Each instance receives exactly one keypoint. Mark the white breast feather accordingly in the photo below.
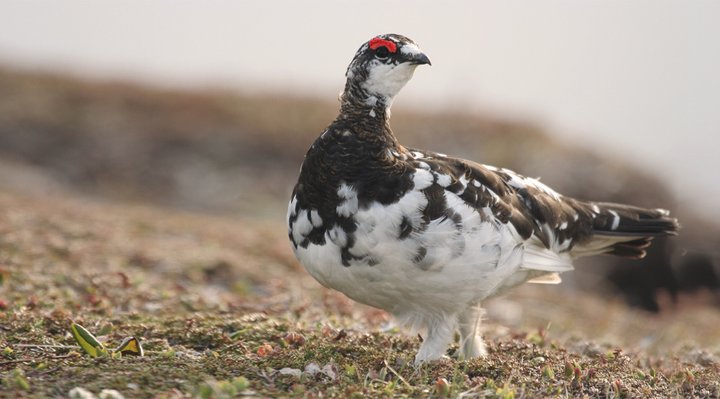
(458, 268)
(302, 226)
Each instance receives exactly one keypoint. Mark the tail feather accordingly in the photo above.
(628, 221)
(631, 249)
(625, 230)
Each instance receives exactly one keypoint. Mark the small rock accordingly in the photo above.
(110, 394)
(290, 371)
(329, 370)
(312, 369)
(81, 393)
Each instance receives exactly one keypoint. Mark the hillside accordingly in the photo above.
(159, 214)
(214, 300)
(235, 154)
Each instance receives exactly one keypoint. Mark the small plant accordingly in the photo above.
(223, 389)
(87, 341)
(95, 348)
(506, 392)
(548, 373)
(17, 380)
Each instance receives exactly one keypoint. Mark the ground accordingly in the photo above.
(223, 310)
(158, 214)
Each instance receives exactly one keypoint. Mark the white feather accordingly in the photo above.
(616, 220)
(315, 218)
(350, 204)
(386, 80)
(302, 226)
(422, 179)
(442, 179)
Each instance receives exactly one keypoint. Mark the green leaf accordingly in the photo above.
(130, 346)
(87, 341)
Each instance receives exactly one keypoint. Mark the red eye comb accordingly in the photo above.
(378, 42)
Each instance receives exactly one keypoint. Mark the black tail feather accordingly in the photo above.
(631, 221)
(627, 231)
(631, 249)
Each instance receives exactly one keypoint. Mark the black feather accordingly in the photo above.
(634, 221)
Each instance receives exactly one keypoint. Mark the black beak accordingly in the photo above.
(420, 59)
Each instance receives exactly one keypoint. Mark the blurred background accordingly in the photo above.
(209, 107)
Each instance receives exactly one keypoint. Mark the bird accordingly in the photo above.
(428, 237)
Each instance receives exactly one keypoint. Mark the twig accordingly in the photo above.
(470, 393)
(396, 373)
(236, 344)
(15, 361)
(64, 356)
(46, 346)
(266, 377)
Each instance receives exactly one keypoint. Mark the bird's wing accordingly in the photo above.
(552, 223)
(533, 208)
(532, 223)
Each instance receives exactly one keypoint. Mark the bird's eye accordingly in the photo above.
(382, 52)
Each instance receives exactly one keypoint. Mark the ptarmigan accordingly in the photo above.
(425, 236)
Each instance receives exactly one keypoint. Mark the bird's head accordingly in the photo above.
(383, 65)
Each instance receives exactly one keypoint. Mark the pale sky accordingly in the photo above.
(637, 80)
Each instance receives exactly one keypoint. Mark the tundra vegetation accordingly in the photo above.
(147, 213)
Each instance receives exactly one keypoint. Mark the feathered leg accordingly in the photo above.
(471, 344)
(439, 335)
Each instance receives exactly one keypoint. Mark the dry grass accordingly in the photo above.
(224, 310)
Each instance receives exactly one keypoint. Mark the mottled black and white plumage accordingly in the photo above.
(426, 236)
